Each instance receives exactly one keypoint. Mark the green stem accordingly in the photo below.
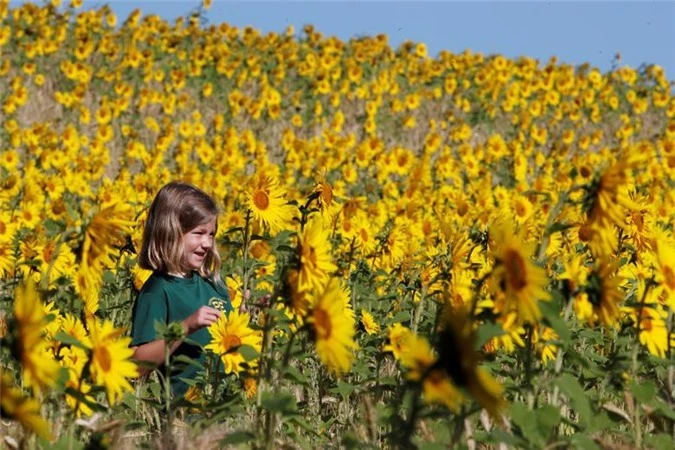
(528, 356)
(245, 271)
(418, 311)
(167, 394)
(412, 417)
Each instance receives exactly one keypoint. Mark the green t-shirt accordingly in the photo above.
(171, 299)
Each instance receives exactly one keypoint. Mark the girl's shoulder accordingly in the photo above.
(156, 282)
(220, 288)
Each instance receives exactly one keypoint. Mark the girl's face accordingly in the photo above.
(197, 242)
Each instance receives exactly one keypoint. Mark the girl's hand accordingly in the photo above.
(201, 318)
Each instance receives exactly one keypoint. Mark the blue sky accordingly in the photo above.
(575, 32)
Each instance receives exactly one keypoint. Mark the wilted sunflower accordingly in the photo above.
(333, 328)
(518, 283)
(266, 200)
(324, 193)
(422, 366)
(24, 410)
(227, 334)
(111, 359)
(456, 355)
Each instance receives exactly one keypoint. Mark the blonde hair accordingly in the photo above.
(177, 208)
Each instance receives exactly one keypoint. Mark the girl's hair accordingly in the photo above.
(177, 208)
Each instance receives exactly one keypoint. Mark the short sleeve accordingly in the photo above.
(148, 308)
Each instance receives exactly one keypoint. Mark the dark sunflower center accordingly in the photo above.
(102, 357)
(450, 357)
(516, 274)
(261, 199)
(322, 323)
(231, 341)
(669, 277)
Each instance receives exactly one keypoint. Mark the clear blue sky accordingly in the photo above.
(575, 32)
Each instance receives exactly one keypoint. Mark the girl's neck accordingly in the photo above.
(181, 274)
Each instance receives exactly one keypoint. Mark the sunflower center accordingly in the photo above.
(261, 199)
(322, 323)
(364, 235)
(646, 324)
(515, 270)
(669, 277)
(585, 233)
(102, 357)
(231, 341)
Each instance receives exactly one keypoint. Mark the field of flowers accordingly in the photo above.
(460, 251)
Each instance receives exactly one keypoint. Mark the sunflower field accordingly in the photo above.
(459, 251)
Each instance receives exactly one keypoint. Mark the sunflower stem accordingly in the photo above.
(636, 418)
(412, 416)
(528, 356)
(245, 270)
(418, 311)
(287, 353)
(168, 432)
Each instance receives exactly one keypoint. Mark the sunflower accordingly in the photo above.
(299, 301)
(603, 290)
(227, 334)
(607, 196)
(653, 332)
(24, 410)
(665, 275)
(363, 234)
(234, 289)
(39, 367)
(513, 332)
(74, 359)
(106, 230)
(316, 262)
(250, 386)
(111, 359)
(266, 200)
(518, 282)
(333, 328)
(398, 337)
(542, 343)
(369, 323)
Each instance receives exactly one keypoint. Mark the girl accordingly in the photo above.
(178, 245)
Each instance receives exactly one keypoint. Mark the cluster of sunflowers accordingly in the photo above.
(439, 194)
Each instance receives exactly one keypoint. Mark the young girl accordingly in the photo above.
(179, 246)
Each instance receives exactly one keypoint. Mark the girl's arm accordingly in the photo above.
(153, 351)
